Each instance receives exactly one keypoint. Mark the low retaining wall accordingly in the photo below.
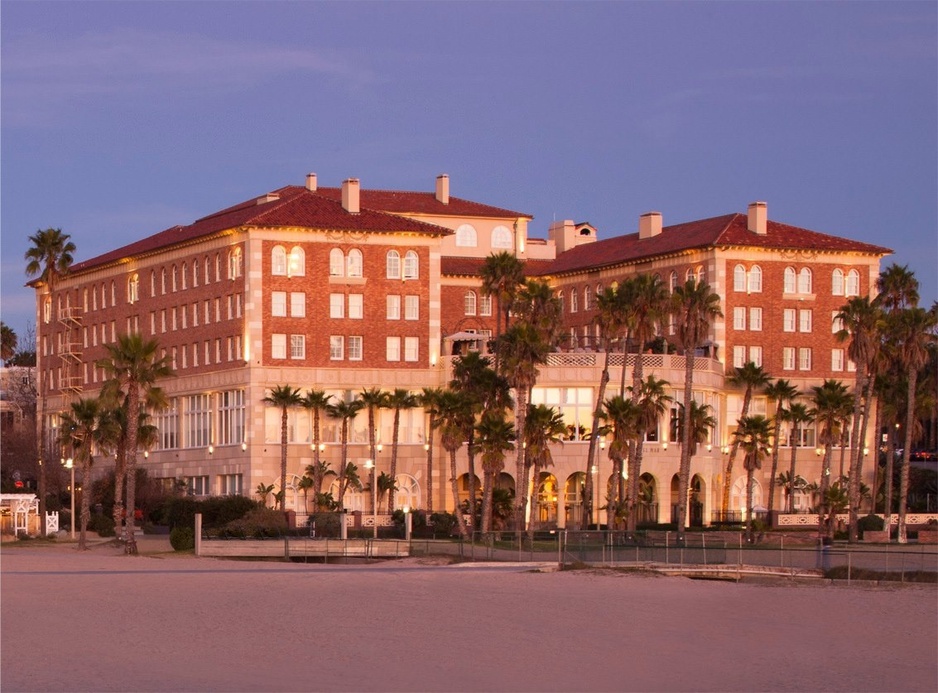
(300, 548)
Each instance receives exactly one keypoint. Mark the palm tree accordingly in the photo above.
(496, 437)
(752, 434)
(623, 416)
(502, 273)
(455, 420)
(373, 399)
(914, 329)
(649, 305)
(521, 349)
(472, 376)
(304, 485)
(861, 320)
(387, 485)
(133, 368)
(87, 427)
(316, 401)
(284, 398)
(702, 423)
(789, 485)
(782, 392)
(538, 305)
(544, 426)
(752, 378)
(650, 397)
(397, 400)
(898, 288)
(693, 306)
(429, 399)
(147, 437)
(796, 414)
(48, 258)
(317, 472)
(8, 341)
(345, 411)
(263, 490)
(830, 399)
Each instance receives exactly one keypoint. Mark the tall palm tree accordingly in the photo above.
(472, 376)
(702, 423)
(345, 411)
(373, 399)
(455, 420)
(782, 392)
(147, 436)
(316, 401)
(622, 415)
(861, 320)
(652, 402)
(284, 397)
(538, 305)
(796, 414)
(751, 378)
(86, 427)
(398, 400)
(48, 258)
(521, 350)
(914, 329)
(830, 399)
(132, 368)
(693, 306)
(8, 341)
(649, 306)
(502, 274)
(496, 437)
(429, 399)
(898, 288)
(544, 426)
(316, 472)
(752, 433)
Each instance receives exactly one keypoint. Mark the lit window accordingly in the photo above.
(837, 283)
(354, 264)
(501, 237)
(278, 261)
(278, 346)
(804, 359)
(278, 304)
(297, 346)
(133, 288)
(394, 308)
(393, 265)
(853, 283)
(411, 265)
(466, 236)
(297, 262)
(356, 306)
(298, 304)
(355, 348)
(789, 281)
(739, 278)
(336, 347)
(469, 303)
(336, 305)
(411, 348)
(411, 307)
(788, 358)
(755, 319)
(393, 348)
(336, 263)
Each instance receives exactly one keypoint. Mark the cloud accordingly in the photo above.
(42, 79)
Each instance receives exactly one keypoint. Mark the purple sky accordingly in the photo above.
(121, 119)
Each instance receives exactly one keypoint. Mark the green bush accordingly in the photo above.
(443, 524)
(102, 524)
(182, 539)
(871, 523)
(327, 524)
(258, 523)
(217, 511)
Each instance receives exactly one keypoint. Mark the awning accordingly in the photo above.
(464, 337)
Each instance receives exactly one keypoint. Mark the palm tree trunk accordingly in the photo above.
(855, 507)
(342, 464)
(791, 470)
(460, 522)
(731, 460)
(684, 470)
(775, 456)
(85, 504)
(133, 419)
(521, 491)
(535, 502)
(120, 472)
(748, 503)
(853, 484)
(825, 486)
(284, 427)
(394, 444)
(430, 473)
(906, 452)
(487, 485)
(471, 468)
(591, 454)
(888, 473)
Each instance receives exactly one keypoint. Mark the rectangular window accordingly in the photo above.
(184, 312)
(207, 352)
(197, 486)
(297, 346)
(739, 318)
(788, 358)
(278, 346)
(788, 320)
(152, 324)
(804, 359)
(237, 305)
(217, 307)
(394, 307)
(167, 422)
(836, 324)
(837, 359)
(804, 320)
(207, 310)
(393, 349)
(755, 319)
(198, 421)
(739, 356)
(195, 354)
(411, 307)
(231, 413)
(229, 485)
(230, 302)
(336, 305)
(336, 347)
(278, 304)
(163, 321)
(239, 354)
(411, 348)
(195, 314)
(356, 306)
(485, 305)
(755, 355)
(355, 348)
(298, 304)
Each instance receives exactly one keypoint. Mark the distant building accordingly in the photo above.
(346, 288)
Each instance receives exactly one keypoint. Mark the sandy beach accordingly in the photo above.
(99, 621)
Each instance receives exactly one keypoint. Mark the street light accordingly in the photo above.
(370, 465)
(70, 465)
(595, 471)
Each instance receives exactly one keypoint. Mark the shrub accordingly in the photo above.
(217, 511)
(327, 524)
(102, 524)
(871, 523)
(443, 524)
(182, 539)
(258, 523)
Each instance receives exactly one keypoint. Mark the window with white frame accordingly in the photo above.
(837, 282)
(336, 305)
(195, 273)
(469, 303)
(788, 320)
(789, 283)
(755, 319)
(162, 286)
(411, 307)
(336, 263)
(195, 314)
(393, 262)
(672, 281)
(278, 261)
(297, 261)
(501, 237)
(739, 356)
(573, 300)
(788, 358)
(739, 278)
(837, 359)
(185, 281)
(355, 348)
(298, 304)
(133, 288)
(755, 355)
(851, 366)
(356, 306)
(804, 359)
(198, 486)
(206, 312)
(336, 347)
(739, 318)
(235, 265)
(411, 265)
(411, 348)
(586, 298)
(278, 346)
(229, 485)
(466, 236)
(804, 320)
(755, 280)
(354, 264)
(394, 307)
(175, 282)
(852, 287)
(206, 266)
(393, 349)
(278, 304)
(804, 281)
(195, 355)
(167, 423)
(198, 421)
(297, 346)
(485, 305)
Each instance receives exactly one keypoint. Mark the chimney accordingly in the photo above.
(649, 224)
(350, 191)
(442, 189)
(311, 182)
(758, 218)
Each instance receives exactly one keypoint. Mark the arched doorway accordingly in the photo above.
(738, 499)
(573, 499)
(407, 494)
(647, 501)
(463, 488)
(354, 499)
(547, 494)
(695, 505)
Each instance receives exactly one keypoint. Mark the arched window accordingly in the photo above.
(163, 281)
(113, 293)
(789, 284)
(207, 265)
(672, 281)
(804, 281)
(853, 283)
(689, 274)
(297, 266)
(278, 261)
(739, 278)
(599, 289)
(354, 263)
(699, 275)
(235, 263)
(586, 298)
(560, 298)
(501, 238)
(466, 236)
(152, 286)
(47, 310)
(410, 265)
(393, 263)
(133, 288)
(336, 263)
(837, 282)
(103, 295)
(195, 273)
(573, 300)
(470, 303)
(185, 281)
(755, 280)
(175, 278)
(218, 267)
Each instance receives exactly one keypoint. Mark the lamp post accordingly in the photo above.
(371, 466)
(70, 466)
(593, 509)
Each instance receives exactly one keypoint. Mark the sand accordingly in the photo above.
(98, 621)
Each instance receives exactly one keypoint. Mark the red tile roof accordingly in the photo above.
(472, 266)
(405, 202)
(725, 231)
(293, 207)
